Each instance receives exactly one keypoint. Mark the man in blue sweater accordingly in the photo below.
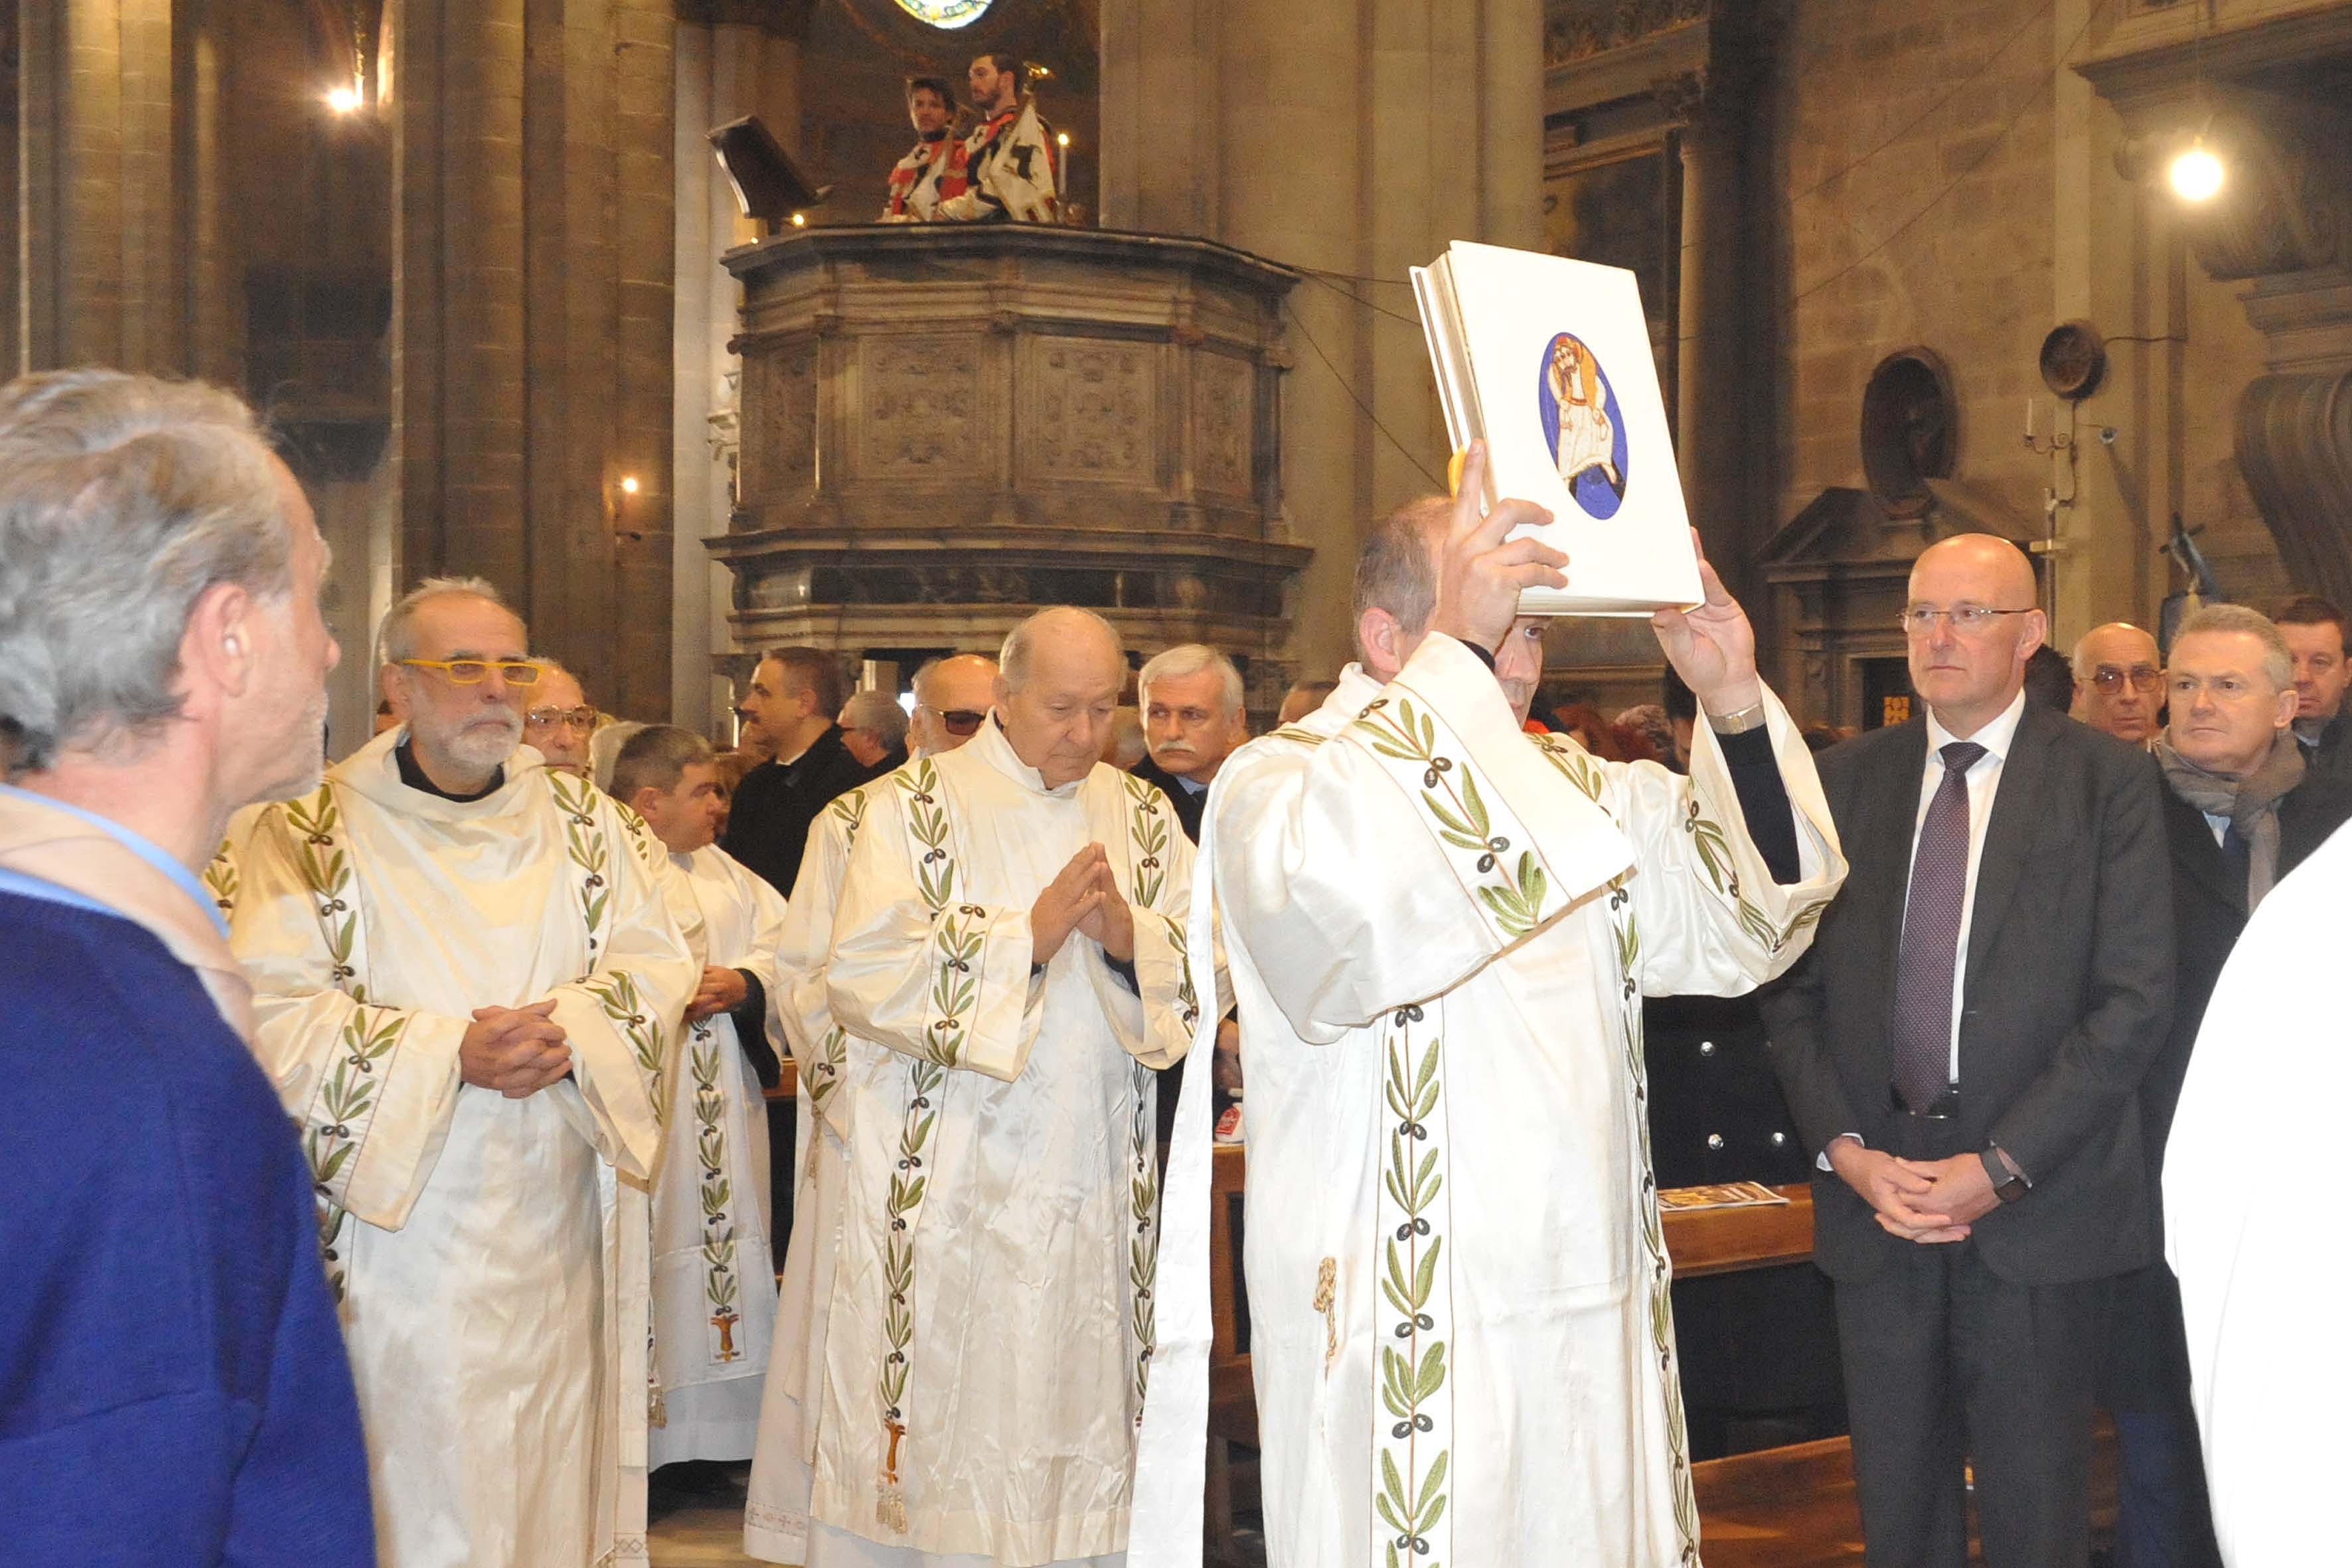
(172, 1384)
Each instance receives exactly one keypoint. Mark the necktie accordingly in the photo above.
(1931, 936)
(2238, 860)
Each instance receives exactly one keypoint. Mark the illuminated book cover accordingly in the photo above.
(1546, 360)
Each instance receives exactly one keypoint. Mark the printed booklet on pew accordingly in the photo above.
(1548, 361)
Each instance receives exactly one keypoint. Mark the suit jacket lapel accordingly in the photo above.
(2197, 857)
(1894, 794)
(2016, 809)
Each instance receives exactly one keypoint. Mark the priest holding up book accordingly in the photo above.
(1439, 930)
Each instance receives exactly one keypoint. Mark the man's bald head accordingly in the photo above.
(962, 684)
(1063, 670)
(1972, 621)
(2118, 681)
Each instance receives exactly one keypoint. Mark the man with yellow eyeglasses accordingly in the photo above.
(467, 985)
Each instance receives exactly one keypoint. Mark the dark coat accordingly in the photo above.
(777, 802)
(1189, 805)
(2068, 994)
(2149, 1365)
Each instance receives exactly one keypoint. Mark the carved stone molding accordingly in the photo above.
(1581, 29)
(2294, 447)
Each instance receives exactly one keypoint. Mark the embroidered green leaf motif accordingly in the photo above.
(1451, 794)
(706, 1061)
(221, 878)
(1412, 1361)
(617, 992)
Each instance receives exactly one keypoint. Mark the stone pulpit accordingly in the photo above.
(944, 427)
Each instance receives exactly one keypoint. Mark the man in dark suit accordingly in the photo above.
(2314, 629)
(1193, 719)
(1963, 1049)
(2241, 810)
(789, 707)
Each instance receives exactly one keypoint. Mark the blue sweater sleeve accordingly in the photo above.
(172, 1384)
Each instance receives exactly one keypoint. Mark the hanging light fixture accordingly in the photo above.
(2196, 174)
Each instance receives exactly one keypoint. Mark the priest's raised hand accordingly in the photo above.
(1480, 571)
(1711, 646)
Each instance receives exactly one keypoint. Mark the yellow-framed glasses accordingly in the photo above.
(474, 671)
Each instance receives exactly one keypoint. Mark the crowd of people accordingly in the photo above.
(393, 1181)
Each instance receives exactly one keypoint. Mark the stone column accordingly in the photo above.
(734, 58)
(1722, 402)
(97, 171)
(534, 167)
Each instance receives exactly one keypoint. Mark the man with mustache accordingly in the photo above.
(467, 988)
(1192, 719)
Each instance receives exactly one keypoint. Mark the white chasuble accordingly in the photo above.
(991, 1320)
(2254, 1143)
(1439, 930)
(713, 1295)
(776, 1505)
(490, 1267)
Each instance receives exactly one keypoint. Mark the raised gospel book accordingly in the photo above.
(1546, 360)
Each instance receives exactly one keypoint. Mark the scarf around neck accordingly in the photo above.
(2249, 802)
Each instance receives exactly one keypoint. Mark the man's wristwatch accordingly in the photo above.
(1740, 723)
(2008, 1185)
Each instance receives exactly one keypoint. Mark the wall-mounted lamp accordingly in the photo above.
(346, 98)
(628, 484)
(2195, 174)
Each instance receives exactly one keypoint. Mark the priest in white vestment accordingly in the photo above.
(1439, 929)
(952, 696)
(2251, 1159)
(1011, 930)
(712, 1298)
(467, 985)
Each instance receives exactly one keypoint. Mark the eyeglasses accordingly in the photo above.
(1919, 620)
(474, 671)
(2143, 678)
(960, 721)
(549, 718)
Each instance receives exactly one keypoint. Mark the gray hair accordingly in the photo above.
(396, 638)
(1396, 570)
(1013, 659)
(1190, 659)
(879, 711)
(123, 498)
(653, 756)
(2278, 660)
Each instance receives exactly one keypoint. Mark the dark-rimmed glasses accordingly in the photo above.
(960, 722)
(2143, 678)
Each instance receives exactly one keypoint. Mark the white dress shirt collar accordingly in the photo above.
(1997, 735)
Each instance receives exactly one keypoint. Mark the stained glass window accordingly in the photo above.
(945, 13)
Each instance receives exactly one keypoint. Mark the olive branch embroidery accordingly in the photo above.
(326, 870)
(720, 1285)
(1147, 833)
(954, 991)
(221, 879)
(1411, 1499)
(832, 1052)
(583, 842)
(338, 1124)
(1514, 899)
(625, 1005)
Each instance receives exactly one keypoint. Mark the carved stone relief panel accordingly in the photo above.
(1222, 421)
(1090, 410)
(779, 456)
(922, 403)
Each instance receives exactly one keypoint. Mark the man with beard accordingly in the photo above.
(466, 984)
(1009, 156)
(171, 1386)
